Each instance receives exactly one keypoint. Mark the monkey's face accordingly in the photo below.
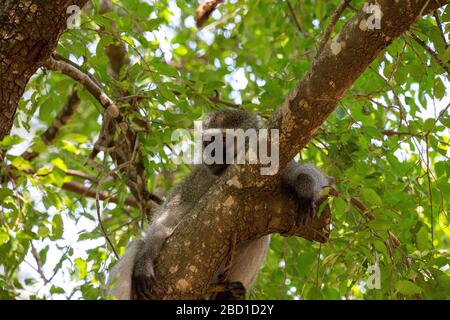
(218, 151)
(215, 151)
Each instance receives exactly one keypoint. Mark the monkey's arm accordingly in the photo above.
(306, 182)
(180, 201)
(158, 232)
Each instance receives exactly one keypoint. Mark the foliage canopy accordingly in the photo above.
(386, 147)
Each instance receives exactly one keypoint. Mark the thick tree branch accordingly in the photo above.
(334, 19)
(93, 88)
(249, 205)
(333, 72)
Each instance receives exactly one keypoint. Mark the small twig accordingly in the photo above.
(334, 19)
(102, 227)
(38, 263)
(60, 57)
(104, 196)
(430, 193)
(134, 97)
(80, 174)
(224, 19)
(391, 133)
(294, 16)
(396, 97)
(97, 202)
(318, 265)
(441, 28)
(430, 51)
(216, 99)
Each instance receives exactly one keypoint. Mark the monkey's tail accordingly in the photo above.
(119, 279)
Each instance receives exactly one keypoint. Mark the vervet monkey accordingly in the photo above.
(134, 274)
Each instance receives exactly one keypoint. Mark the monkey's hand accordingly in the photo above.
(143, 277)
(232, 290)
(306, 209)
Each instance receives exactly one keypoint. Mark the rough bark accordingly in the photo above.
(247, 205)
(29, 32)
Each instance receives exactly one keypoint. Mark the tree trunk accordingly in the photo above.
(29, 32)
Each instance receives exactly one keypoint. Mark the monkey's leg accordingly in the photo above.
(306, 206)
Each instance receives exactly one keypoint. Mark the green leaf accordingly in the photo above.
(439, 88)
(429, 124)
(10, 141)
(81, 267)
(43, 231)
(4, 193)
(371, 196)
(57, 226)
(59, 163)
(3, 237)
(407, 287)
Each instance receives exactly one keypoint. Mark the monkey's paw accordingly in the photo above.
(233, 291)
(306, 210)
(142, 280)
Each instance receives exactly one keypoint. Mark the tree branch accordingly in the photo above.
(334, 19)
(439, 25)
(136, 179)
(93, 88)
(430, 51)
(294, 16)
